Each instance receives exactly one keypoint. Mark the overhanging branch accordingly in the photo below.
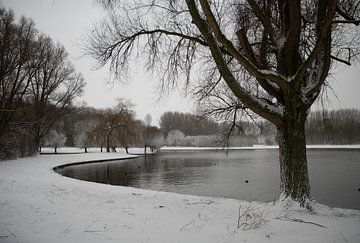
(320, 41)
(348, 18)
(354, 21)
(245, 62)
(267, 111)
(340, 60)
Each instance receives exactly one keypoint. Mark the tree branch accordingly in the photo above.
(265, 22)
(246, 63)
(249, 52)
(354, 21)
(292, 41)
(348, 19)
(340, 60)
(320, 41)
(268, 111)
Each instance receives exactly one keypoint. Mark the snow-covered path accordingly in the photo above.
(38, 205)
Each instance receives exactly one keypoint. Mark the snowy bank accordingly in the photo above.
(257, 147)
(37, 205)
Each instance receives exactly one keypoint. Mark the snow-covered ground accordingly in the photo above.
(37, 205)
(254, 147)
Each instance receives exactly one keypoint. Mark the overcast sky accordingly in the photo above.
(68, 21)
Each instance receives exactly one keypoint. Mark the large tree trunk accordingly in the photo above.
(37, 140)
(294, 179)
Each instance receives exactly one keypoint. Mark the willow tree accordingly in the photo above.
(274, 56)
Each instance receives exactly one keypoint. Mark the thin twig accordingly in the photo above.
(239, 216)
(92, 231)
(286, 218)
(192, 222)
(9, 231)
(208, 202)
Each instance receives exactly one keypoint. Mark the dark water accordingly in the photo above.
(334, 174)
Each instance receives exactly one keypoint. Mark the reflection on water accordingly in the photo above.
(244, 174)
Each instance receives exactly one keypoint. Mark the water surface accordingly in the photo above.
(242, 174)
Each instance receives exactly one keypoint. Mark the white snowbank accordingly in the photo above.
(37, 205)
(255, 147)
(77, 150)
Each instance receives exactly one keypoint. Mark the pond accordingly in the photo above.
(242, 174)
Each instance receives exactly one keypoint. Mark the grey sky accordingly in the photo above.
(67, 21)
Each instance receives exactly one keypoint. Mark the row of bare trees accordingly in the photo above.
(188, 123)
(322, 127)
(37, 85)
(117, 127)
(334, 127)
(107, 129)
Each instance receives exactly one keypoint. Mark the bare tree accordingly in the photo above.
(52, 89)
(274, 56)
(16, 52)
(147, 133)
(95, 136)
(334, 127)
(113, 125)
(188, 123)
(175, 138)
(54, 138)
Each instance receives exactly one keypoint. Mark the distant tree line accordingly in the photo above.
(116, 127)
(322, 127)
(187, 123)
(37, 85)
(333, 127)
(185, 129)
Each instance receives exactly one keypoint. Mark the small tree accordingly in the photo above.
(175, 138)
(112, 125)
(95, 136)
(147, 133)
(54, 139)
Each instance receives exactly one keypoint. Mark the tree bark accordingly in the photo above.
(294, 179)
(37, 143)
(108, 143)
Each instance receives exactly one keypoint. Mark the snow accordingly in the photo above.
(260, 146)
(267, 72)
(37, 205)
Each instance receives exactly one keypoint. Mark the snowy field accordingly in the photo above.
(38, 205)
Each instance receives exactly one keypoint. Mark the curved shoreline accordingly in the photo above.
(113, 173)
(91, 161)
